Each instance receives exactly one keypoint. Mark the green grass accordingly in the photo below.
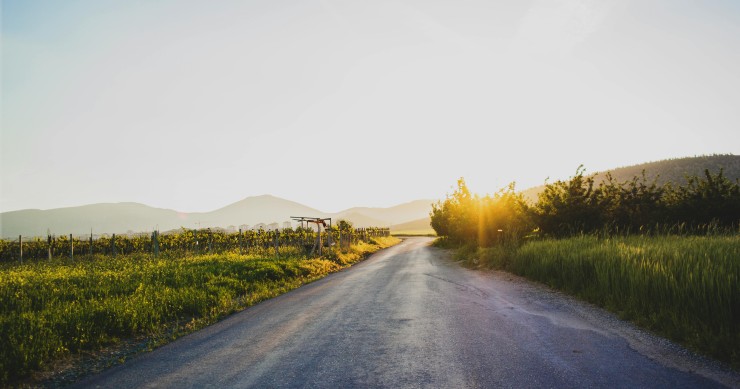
(684, 288)
(52, 309)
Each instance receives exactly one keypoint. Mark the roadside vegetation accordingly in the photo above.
(663, 256)
(54, 309)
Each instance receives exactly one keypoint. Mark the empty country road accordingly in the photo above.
(410, 317)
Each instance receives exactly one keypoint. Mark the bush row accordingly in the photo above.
(578, 205)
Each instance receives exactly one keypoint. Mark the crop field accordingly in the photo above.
(184, 242)
(55, 308)
(686, 288)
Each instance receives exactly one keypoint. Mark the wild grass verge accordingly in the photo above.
(684, 288)
(53, 309)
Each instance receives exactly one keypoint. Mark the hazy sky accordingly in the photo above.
(193, 105)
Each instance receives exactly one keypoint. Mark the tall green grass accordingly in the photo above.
(55, 308)
(684, 288)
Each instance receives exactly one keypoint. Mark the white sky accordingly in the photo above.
(193, 105)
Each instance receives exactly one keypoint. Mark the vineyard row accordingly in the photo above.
(184, 242)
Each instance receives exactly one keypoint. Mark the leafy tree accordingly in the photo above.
(635, 205)
(466, 218)
(713, 199)
(505, 216)
(455, 216)
(577, 206)
(568, 207)
(344, 225)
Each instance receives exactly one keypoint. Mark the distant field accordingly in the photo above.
(51, 309)
(416, 227)
(422, 232)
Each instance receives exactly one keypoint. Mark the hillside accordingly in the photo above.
(132, 217)
(669, 170)
(415, 227)
(394, 215)
(359, 220)
(112, 218)
(258, 209)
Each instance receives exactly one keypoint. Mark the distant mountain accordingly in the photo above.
(258, 209)
(122, 218)
(359, 220)
(669, 170)
(133, 217)
(419, 226)
(394, 215)
(111, 218)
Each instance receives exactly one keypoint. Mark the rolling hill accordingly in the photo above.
(133, 217)
(111, 218)
(415, 227)
(394, 215)
(253, 210)
(669, 170)
(122, 218)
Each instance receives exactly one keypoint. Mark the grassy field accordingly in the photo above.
(52, 309)
(418, 232)
(684, 288)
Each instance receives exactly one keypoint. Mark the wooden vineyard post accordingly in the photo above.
(275, 243)
(71, 247)
(319, 222)
(91, 243)
(317, 242)
(48, 245)
(240, 241)
(20, 244)
(319, 238)
(155, 243)
(328, 237)
(113, 245)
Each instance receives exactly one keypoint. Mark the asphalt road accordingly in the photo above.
(410, 317)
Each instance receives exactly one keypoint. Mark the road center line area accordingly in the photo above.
(410, 317)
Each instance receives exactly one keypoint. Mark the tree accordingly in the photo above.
(711, 199)
(634, 205)
(344, 225)
(466, 218)
(454, 217)
(503, 217)
(568, 207)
